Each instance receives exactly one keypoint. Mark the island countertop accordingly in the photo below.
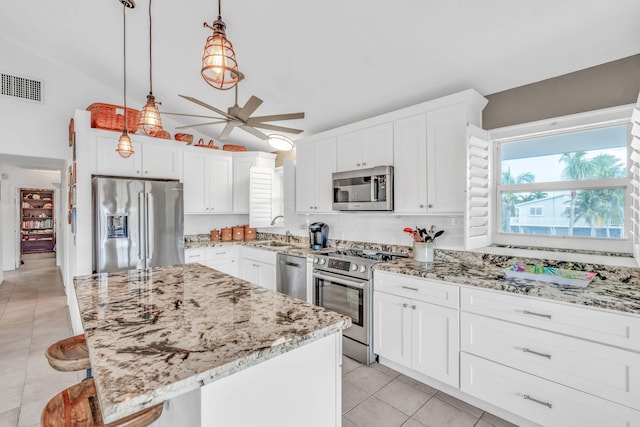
(155, 334)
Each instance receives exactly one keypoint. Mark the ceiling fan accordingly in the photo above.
(237, 116)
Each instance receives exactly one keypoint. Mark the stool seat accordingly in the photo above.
(78, 406)
(69, 354)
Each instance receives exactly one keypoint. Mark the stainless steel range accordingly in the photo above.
(343, 282)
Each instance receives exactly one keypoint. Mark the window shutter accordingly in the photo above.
(261, 193)
(478, 205)
(634, 170)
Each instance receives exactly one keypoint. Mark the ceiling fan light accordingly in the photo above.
(280, 142)
(219, 65)
(150, 121)
(125, 149)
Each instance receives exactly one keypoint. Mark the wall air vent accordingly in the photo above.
(21, 87)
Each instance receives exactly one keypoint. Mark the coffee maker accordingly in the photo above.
(318, 232)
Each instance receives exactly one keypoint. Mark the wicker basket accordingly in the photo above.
(111, 117)
(184, 137)
(229, 147)
(210, 145)
(161, 134)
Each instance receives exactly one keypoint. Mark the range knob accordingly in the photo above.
(322, 261)
(315, 260)
(353, 267)
(362, 269)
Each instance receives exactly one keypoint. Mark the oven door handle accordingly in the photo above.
(341, 280)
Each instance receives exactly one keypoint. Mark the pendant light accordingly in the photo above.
(219, 66)
(150, 121)
(124, 143)
(280, 142)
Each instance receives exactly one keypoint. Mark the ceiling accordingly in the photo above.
(338, 61)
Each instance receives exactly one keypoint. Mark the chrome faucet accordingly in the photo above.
(273, 221)
(287, 236)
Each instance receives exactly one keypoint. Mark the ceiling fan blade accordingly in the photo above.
(275, 118)
(226, 131)
(252, 105)
(190, 115)
(254, 132)
(202, 124)
(277, 128)
(202, 104)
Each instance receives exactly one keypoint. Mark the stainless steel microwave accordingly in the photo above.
(363, 189)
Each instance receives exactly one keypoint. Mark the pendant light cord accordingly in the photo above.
(150, 56)
(219, 10)
(124, 50)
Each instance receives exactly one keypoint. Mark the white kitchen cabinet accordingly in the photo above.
(315, 164)
(410, 165)
(192, 255)
(152, 158)
(208, 184)
(366, 148)
(223, 258)
(258, 266)
(414, 333)
(446, 159)
(541, 401)
(242, 164)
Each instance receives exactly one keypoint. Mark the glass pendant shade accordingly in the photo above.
(125, 149)
(219, 66)
(150, 121)
(280, 142)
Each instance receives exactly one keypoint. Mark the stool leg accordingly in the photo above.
(89, 375)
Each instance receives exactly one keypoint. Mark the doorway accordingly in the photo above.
(37, 222)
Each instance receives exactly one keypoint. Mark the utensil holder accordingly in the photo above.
(423, 252)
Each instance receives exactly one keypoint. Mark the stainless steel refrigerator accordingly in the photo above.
(136, 224)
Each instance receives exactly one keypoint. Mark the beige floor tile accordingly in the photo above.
(11, 397)
(348, 365)
(437, 413)
(352, 396)
(30, 414)
(417, 384)
(347, 423)
(10, 418)
(463, 406)
(494, 421)
(368, 379)
(402, 396)
(481, 423)
(385, 370)
(412, 423)
(375, 413)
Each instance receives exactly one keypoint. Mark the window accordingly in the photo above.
(556, 188)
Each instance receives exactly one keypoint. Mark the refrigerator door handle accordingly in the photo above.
(150, 226)
(141, 224)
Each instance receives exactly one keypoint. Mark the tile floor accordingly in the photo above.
(33, 314)
(375, 396)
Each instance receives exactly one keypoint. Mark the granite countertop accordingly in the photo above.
(298, 249)
(612, 288)
(154, 334)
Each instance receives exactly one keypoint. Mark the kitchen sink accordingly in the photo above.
(274, 244)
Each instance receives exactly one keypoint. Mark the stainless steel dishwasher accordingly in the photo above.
(292, 276)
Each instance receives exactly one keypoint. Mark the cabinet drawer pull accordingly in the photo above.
(220, 253)
(194, 256)
(532, 313)
(409, 288)
(526, 350)
(547, 404)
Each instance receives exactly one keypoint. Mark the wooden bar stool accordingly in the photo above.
(69, 354)
(78, 406)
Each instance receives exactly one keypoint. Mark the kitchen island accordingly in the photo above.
(225, 351)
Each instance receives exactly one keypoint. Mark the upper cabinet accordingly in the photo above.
(315, 163)
(207, 181)
(410, 171)
(152, 158)
(242, 164)
(366, 148)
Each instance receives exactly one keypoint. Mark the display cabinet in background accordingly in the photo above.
(37, 227)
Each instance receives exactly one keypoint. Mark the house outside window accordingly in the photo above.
(569, 183)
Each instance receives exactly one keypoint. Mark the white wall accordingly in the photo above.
(21, 178)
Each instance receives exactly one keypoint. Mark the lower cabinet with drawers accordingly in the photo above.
(549, 363)
(552, 363)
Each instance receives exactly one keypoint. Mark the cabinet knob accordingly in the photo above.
(421, 206)
(137, 171)
(405, 305)
(413, 307)
(146, 171)
(364, 164)
(430, 206)
(357, 164)
(310, 207)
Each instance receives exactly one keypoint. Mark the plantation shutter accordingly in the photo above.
(478, 204)
(635, 180)
(261, 193)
